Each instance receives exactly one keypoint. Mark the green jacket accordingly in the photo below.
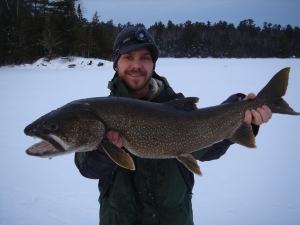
(159, 191)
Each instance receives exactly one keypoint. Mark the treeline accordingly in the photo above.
(223, 39)
(31, 29)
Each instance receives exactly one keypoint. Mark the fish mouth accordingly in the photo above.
(50, 145)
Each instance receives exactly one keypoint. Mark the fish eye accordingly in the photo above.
(54, 126)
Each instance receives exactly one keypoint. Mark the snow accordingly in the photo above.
(245, 186)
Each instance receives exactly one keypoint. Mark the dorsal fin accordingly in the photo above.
(186, 104)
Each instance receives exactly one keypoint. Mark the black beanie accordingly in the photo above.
(132, 38)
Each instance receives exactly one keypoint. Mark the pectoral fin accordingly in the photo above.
(119, 156)
(190, 162)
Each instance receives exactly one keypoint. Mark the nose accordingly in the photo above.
(29, 130)
(136, 64)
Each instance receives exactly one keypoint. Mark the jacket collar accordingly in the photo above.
(117, 88)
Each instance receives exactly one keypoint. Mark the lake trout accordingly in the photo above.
(151, 130)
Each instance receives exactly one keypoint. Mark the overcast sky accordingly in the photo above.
(148, 12)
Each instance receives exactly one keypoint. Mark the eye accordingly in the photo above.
(147, 58)
(126, 56)
(54, 126)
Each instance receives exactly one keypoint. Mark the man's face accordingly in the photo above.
(135, 69)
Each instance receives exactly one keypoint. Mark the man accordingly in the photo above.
(159, 190)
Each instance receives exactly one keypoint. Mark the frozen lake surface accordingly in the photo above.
(245, 186)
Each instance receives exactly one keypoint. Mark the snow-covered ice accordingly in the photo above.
(245, 186)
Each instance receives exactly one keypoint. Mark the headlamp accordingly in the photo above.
(139, 35)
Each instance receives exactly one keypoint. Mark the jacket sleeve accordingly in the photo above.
(219, 149)
(94, 164)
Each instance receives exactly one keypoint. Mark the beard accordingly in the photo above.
(139, 84)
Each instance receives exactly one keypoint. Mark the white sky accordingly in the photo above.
(281, 12)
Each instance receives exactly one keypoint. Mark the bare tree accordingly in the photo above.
(50, 40)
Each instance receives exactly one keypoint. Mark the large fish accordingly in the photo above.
(151, 130)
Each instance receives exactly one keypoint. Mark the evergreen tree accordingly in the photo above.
(31, 29)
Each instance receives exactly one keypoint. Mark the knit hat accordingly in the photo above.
(132, 38)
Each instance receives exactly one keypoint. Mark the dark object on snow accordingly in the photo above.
(90, 63)
(100, 64)
(71, 66)
(67, 59)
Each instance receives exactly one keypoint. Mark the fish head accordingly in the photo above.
(71, 128)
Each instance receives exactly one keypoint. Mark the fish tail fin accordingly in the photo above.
(272, 93)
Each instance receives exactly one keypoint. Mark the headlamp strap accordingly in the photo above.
(139, 35)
